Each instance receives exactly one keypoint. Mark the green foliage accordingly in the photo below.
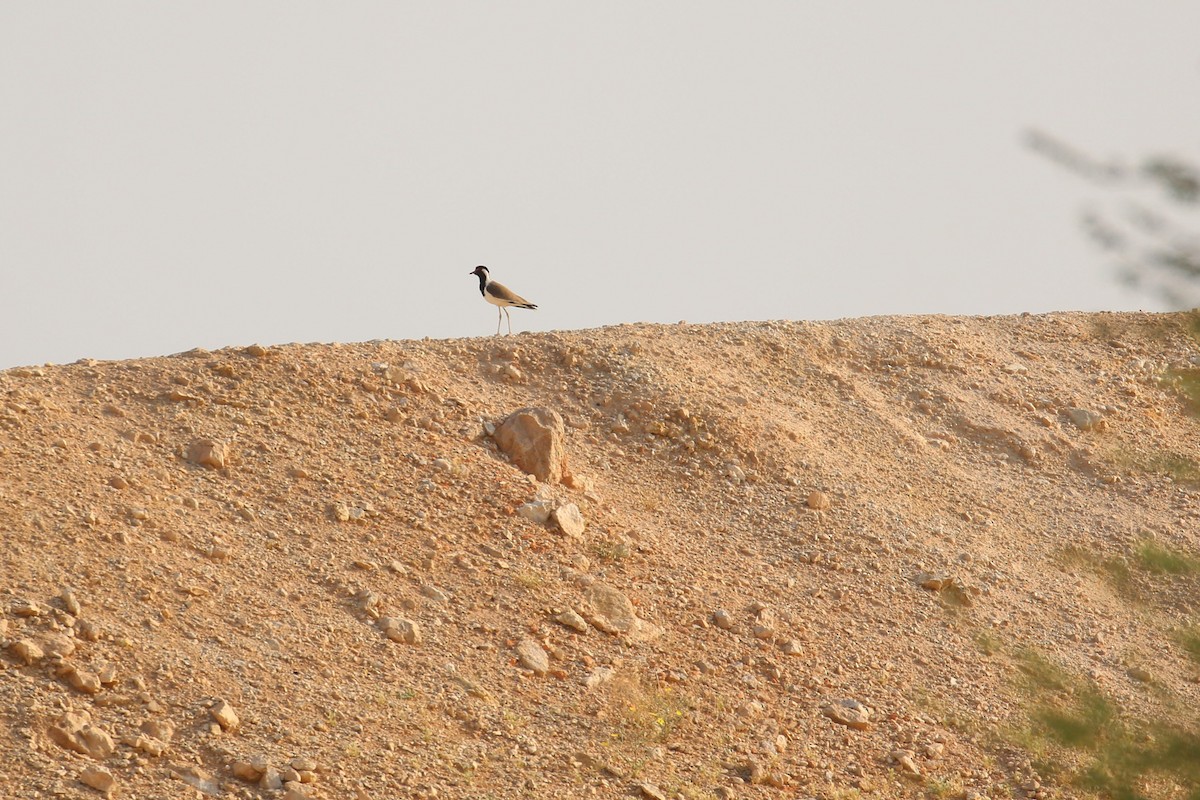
(987, 643)
(609, 551)
(1189, 640)
(648, 711)
(941, 789)
(1187, 383)
(1131, 577)
(1178, 178)
(1086, 722)
(1113, 757)
(1164, 560)
(1179, 468)
(1115, 571)
(1138, 222)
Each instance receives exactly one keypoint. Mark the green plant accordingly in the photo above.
(608, 551)
(1187, 383)
(1040, 672)
(939, 789)
(1164, 560)
(528, 579)
(648, 712)
(1115, 571)
(1179, 468)
(1078, 734)
(987, 643)
(841, 793)
(1189, 640)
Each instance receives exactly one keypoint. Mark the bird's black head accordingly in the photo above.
(481, 271)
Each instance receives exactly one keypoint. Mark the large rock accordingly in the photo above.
(850, 713)
(29, 651)
(225, 716)
(534, 438)
(569, 520)
(207, 453)
(533, 656)
(399, 629)
(75, 731)
(537, 511)
(99, 779)
(610, 611)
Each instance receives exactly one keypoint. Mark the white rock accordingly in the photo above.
(536, 511)
(81, 680)
(98, 778)
(651, 792)
(751, 709)
(533, 656)
(27, 650)
(1086, 420)
(433, 593)
(26, 608)
(146, 744)
(764, 624)
(534, 438)
(270, 780)
(850, 713)
(599, 676)
(198, 779)
(161, 729)
(570, 520)
(907, 765)
(207, 453)
(74, 731)
(608, 610)
(303, 764)
(572, 620)
(225, 716)
(792, 647)
(399, 629)
(70, 602)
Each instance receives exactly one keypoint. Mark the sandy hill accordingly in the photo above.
(891, 557)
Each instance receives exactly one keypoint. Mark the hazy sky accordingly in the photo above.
(186, 174)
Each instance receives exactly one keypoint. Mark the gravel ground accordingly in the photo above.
(853, 558)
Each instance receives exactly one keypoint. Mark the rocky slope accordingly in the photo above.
(816, 560)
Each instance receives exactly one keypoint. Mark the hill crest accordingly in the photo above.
(305, 568)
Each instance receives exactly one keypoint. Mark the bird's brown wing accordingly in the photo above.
(502, 292)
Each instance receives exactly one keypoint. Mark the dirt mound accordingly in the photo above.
(890, 556)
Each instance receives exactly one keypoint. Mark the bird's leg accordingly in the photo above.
(498, 320)
(509, 318)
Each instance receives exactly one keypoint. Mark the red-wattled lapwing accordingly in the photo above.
(499, 295)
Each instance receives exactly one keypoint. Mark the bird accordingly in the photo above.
(499, 295)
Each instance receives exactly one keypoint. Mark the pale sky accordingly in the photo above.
(212, 173)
